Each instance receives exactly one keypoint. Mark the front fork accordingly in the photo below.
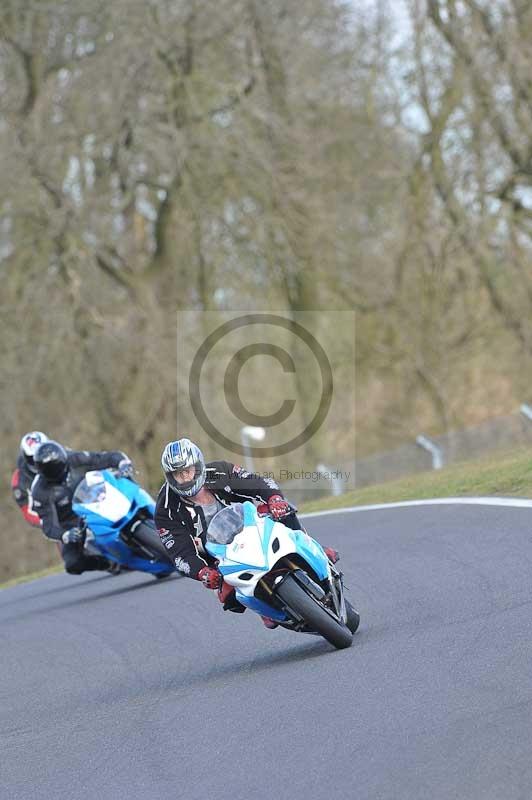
(334, 599)
(337, 593)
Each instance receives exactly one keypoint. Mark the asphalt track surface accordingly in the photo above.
(123, 687)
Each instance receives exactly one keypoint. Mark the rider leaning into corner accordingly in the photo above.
(190, 497)
(59, 471)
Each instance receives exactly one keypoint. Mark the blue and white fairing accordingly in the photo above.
(248, 546)
(108, 503)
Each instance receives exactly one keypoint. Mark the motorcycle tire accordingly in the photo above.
(316, 617)
(146, 535)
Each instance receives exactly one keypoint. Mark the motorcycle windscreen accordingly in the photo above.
(99, 497)
(226, 524)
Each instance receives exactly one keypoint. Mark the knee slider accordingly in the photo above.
(73, 569)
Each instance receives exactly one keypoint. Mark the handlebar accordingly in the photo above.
(123, 473)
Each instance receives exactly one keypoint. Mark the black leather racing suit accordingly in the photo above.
(53, 504)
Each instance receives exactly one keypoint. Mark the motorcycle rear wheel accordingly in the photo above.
(317, 618)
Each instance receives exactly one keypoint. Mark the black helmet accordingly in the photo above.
(51, 461)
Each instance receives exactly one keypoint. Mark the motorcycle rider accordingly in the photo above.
(192, 494)
(59, 471)
(24, 475)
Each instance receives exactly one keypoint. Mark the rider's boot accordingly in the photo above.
(114, 568)
(225, 591)
(332, 554)
(227, 597)
(269, 623)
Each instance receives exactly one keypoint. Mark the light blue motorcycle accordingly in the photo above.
(118, 514)
(281, 574)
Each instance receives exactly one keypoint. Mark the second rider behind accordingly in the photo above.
(59, 473)
(191, 496)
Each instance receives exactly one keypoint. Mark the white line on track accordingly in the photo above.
(511, 502)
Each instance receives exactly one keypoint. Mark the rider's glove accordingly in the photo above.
(125, 467)
(210, 577)
(74, 536)
(278, 506)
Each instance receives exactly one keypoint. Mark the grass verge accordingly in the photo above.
(507, 476)
(32, 576)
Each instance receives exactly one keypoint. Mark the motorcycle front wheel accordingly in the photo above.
(146, 535)
(316, 617)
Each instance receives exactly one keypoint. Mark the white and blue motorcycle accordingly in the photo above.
(118, 515)
(281, 574)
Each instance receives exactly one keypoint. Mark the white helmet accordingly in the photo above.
(179, 455)
(29, 444)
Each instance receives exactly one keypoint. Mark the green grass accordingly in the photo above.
(508, 476)
(32, 576)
